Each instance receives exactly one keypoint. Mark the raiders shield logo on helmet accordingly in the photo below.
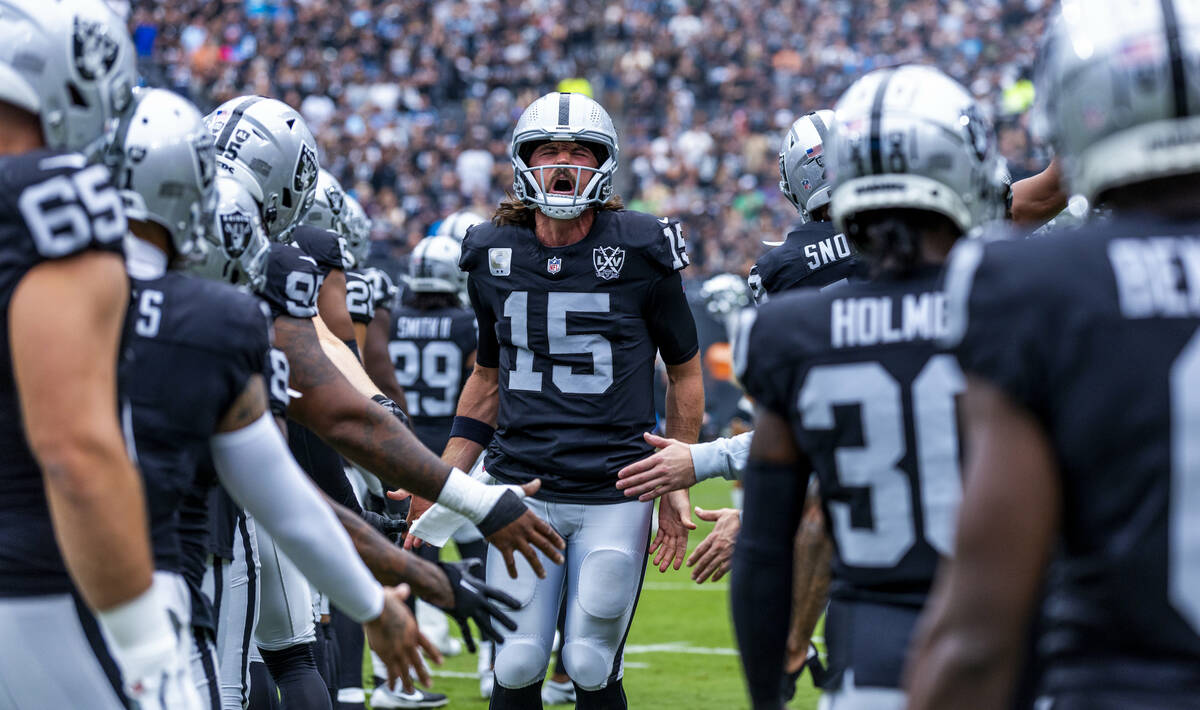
(206, 160)
(95, 52)
(336, 202)
(306, 170)
(608, 261)
(235, 233)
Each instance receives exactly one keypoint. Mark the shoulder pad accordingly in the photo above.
(65, 204)
(327, 248)
(292, 282)
(660, 238)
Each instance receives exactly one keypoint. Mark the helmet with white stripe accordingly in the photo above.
(1118, 92)
(266, 146)
(433, 266)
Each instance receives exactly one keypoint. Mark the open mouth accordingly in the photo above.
(562, 185)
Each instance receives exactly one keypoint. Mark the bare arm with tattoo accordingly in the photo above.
(369, 435)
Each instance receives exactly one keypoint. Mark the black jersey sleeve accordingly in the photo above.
(292, 282)
(327, 248)
(277, 372)
(66, 205)
(670, 252)
(992, 339)
(670, 320)
(487, 353)
(249, 334)
(359, 300)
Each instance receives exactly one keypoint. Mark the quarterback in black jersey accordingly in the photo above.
(851, 383)
(575, 297)
(66, 475)
(1081, 353)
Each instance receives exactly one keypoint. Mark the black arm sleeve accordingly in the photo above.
(761, 589)
(488, 352)
(670, 320)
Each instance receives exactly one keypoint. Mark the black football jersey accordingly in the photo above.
(292, 282)
(814, 255)
(195, 345)
(574, 331)
(870, 398)
(1096, 332)
(327, 248)
(52, 206)
(360, 299)
(430, 350)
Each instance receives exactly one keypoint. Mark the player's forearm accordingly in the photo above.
(1037, 199)
(356, 427)
(360, 336)
(480, 400)
(94, 494)
(761, 589)
(331, 304)
(378, 364)
(721, 458)
(957, 665)
(392, 565)
(685, 401)
(344, 359)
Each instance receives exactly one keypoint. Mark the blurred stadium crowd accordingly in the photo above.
(412, 101)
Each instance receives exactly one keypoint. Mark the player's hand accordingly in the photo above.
(395, 637)
(168, 687)
(669, 469)
(416, 508)
(674, 524)
(525, 534)
(713, 556)
(474, 600)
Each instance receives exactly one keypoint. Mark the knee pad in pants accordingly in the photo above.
(285, 615)
(520, 662)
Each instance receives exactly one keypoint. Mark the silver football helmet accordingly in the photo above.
(456, 224)
(328, 210)
(237, 243)
(358, 230)
(162, 160)
(802, 176)
(266, 145)
(69, 63)
(1116, 95)
(564, 117)
(911, 137)
(433, 266)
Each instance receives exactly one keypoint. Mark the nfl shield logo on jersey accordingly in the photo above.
(608, 261)
(554, 264)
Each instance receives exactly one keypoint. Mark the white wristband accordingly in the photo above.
(471, 498)
(139, 633)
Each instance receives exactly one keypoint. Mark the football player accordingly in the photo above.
(574, 296)
(196, 380)
(814, 254)
(67, 71)
(849, 382)
(1083, 392)
(456, 224)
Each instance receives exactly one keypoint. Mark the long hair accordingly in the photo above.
(890, 240)
(513, 212)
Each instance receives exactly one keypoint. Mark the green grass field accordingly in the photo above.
(681, 652)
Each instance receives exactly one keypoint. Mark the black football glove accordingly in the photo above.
(392, 528)
(473, 600)
(394, 409)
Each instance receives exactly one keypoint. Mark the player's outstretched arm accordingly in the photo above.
(255, 466)
(967, 649)
(761, 589)
(369, 435)
(65, 322)
(378, 363)
(342, 357)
